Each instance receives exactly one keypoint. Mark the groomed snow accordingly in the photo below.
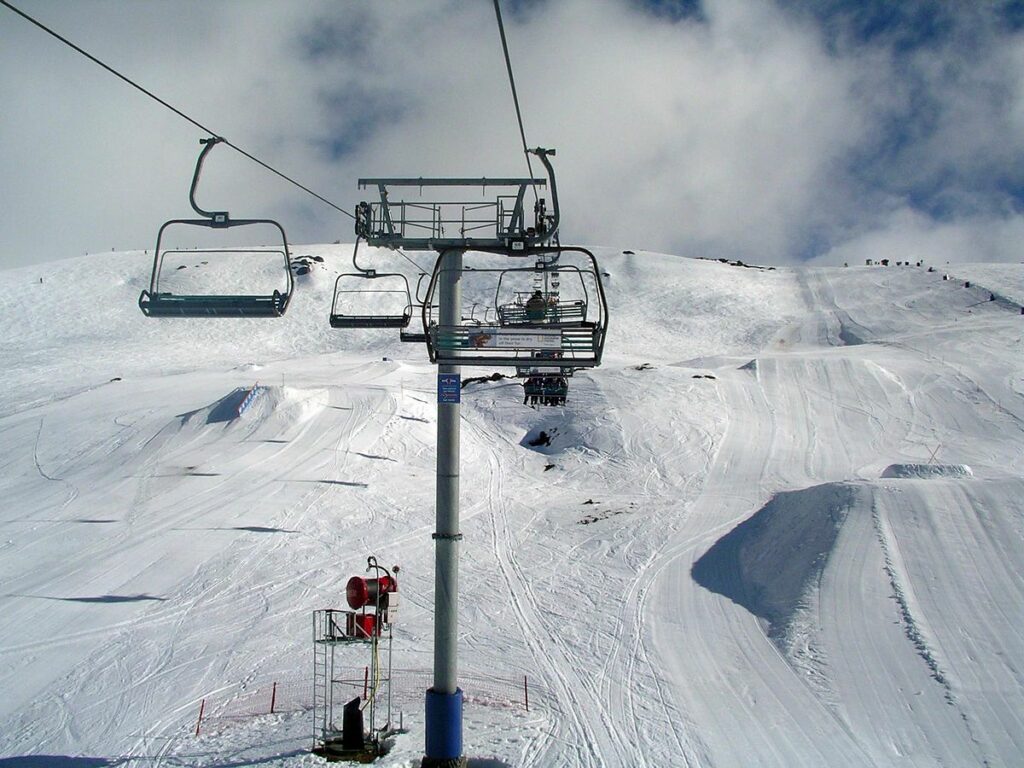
(736, 549)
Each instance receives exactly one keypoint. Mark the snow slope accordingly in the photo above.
(713, 562)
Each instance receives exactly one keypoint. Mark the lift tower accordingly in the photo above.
(496, 225)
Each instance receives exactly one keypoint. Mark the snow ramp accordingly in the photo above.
(770, 562)
(893, 597)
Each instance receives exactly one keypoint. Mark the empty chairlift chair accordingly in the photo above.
(370, 299)
(160, 301)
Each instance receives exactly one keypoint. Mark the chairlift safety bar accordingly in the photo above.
(484, 182)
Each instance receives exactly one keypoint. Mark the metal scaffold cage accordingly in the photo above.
(342, 705)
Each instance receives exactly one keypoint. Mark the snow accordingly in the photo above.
(780, 526)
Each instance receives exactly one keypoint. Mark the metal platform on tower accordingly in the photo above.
(498, 221)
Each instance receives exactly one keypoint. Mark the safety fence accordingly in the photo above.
(250, 700)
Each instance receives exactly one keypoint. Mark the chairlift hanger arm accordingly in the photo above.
(543, 154)
(419, 285)
(219, 217)
(355, 252)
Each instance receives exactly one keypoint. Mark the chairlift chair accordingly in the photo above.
(574, 340)
(342, 314)
(159, 302)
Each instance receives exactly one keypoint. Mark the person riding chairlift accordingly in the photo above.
(536, 307)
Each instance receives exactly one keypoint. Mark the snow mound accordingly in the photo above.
(771, 563)
(556, 436)
(289, 405)
(258, 404)
(925, 471)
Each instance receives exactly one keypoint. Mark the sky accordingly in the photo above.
(773, 131)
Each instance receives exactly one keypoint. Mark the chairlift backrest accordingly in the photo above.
(546, 304)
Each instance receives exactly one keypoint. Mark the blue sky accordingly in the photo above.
(772, 131)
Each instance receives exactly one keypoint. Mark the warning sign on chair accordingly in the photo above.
(506, 338)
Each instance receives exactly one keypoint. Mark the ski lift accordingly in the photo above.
(157, 301)
(351, 286)
(569, 337)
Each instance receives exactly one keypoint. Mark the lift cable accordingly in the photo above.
(515, 95)
(407, 258)
(173, 109)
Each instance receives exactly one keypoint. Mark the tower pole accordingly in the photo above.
(444, 699)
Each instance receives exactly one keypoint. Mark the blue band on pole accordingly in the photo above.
(444, 725)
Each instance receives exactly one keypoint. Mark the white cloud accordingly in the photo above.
(732, 135)
(907, 235)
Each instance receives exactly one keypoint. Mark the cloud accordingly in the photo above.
(909, 235)
(766, 131)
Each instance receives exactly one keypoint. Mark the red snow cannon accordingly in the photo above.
(362, 592)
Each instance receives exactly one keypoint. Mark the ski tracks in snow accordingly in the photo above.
(575, 693)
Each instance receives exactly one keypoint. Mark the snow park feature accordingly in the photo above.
(152, 556)
(373, 603)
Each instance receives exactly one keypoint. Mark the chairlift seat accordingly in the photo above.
(171, 305)
(370, 321)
